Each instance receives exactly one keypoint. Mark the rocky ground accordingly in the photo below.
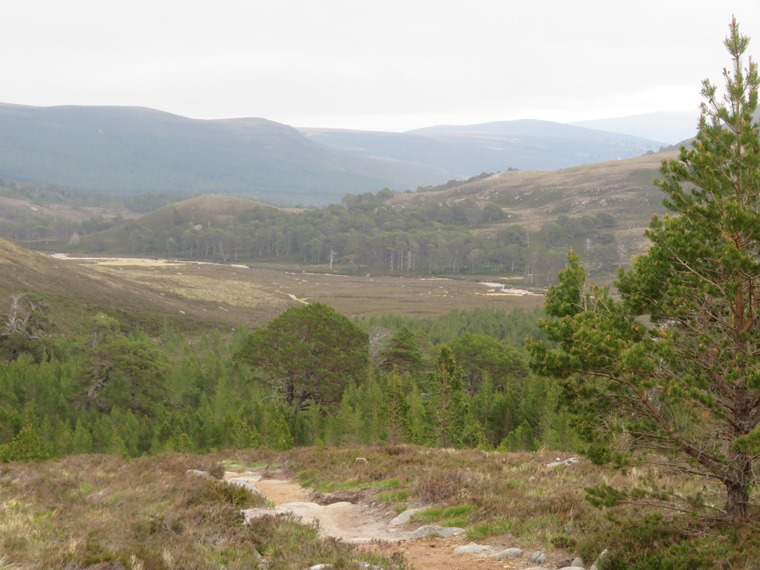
(423, 547)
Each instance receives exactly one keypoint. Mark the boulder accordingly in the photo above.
(439, 531)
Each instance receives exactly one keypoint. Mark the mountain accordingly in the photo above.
(671, 127)
(463, 151)
(131, 150)
(134, 150)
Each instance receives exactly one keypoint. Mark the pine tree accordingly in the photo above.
(27, 446)
(419, 422)
(449, 400)
(308, 354)
(82, 439)
(402, 353)
(685, 380)
(395, 408)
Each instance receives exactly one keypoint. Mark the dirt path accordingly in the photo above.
(365, 525)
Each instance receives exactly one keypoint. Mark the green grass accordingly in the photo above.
(354, 485)
(398, 496)
(437, 514)
(491, 528)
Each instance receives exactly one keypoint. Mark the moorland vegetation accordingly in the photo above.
(658, 376)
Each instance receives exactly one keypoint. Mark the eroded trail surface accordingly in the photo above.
(369, 526)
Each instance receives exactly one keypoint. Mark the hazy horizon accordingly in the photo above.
(382, 66)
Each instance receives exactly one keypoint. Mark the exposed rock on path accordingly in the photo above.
(352, 523)
(424, 548)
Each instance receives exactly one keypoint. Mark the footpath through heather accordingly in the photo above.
(372, 527)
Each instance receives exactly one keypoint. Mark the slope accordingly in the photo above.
(130, 150)
(75, 292)
(462, 151)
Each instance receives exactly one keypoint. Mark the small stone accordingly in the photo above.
(538, 557)
(439, 531)
(601, 557)
(404, 517)
(199, 473)
(509, 553)
(473, 548)
(578, 562)
(242, 483)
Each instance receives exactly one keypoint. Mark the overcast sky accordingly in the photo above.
(370, 64)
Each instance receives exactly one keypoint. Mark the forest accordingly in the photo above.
(363, 233)
(120, 391)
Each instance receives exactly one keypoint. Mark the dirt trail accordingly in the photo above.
(365, 525)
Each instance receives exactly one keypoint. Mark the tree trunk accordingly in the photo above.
(738, 485)
(737, 501)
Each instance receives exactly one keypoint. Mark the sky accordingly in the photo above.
(385, 65)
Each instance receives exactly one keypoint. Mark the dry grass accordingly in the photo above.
(252, 296)
(495, 496)
(541, 502)
(193, 297)
(150, 513)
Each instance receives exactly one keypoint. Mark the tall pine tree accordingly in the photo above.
(685, 380)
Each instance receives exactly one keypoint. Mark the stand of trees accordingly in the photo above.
(118, 391)
(362, 233)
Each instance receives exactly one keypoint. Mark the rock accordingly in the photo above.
(250, 514)
(572, 568)
(557, 462)
(263, 563)
(242, 483)
(578, 562)
(335, 497)
(404, 517)
(439, 531)
(601, 557)
(321, 567)
(538, 557)
(509, 553)
(473, 548)
(199, 473)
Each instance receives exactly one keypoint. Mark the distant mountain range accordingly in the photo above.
(673, 127)
(130, 150)
(463, 151)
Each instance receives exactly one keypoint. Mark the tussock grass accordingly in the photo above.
(512, 498)
(489, 494)
(146, 513)
(149, 513)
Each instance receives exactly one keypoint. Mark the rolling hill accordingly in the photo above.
(463, 151)
(74, 292)
(672, 127)
(132, 150)
(621, 189)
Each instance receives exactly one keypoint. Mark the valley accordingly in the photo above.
(250, 296)
(217, 334)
